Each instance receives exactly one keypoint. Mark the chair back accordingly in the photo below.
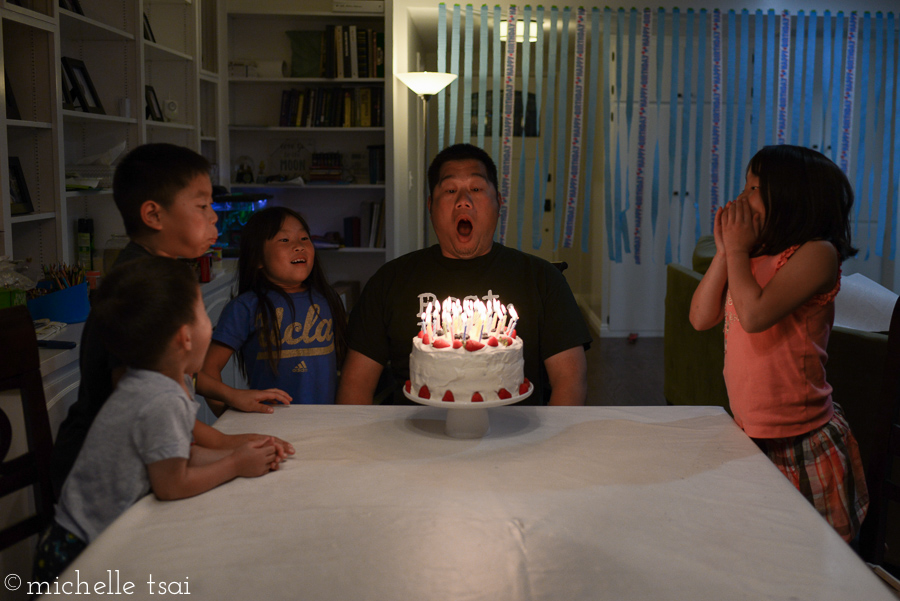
(884, 489)
(20, 372)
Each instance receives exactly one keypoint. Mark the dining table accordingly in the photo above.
(552, 503)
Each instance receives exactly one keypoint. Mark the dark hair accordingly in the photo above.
(461, 152)
(807, 197)
(153, 172)
(264, 225)
(140, 307)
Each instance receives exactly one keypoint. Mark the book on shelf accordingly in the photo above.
(354, 51)
(285, 108)
(362, 51)
(307, 53)
(352, 231)
(348, 109)
(326, 167)
(379, 54)
(301, 105)
(377, 171)
(377, 107)
(365, 107)
(373, 43)
(351, 52)
(332, 106)
(295, 106)
(339, 51)
(322, 109)
(329, 52)
(345, 50)
(375, 210)
(379, 233)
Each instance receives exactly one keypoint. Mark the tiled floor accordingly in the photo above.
(625, 373)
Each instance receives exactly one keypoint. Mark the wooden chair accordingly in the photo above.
(881, 478)
(20, 372)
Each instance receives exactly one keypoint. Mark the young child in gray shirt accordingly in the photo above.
(152, 317)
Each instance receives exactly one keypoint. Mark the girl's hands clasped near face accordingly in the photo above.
(741, 221)
(740, 227)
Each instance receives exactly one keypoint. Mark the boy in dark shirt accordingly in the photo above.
(164, 195)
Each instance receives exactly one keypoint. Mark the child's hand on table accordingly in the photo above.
(256, 400)
(255, 458)
(282, 447)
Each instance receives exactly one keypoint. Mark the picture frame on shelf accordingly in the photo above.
(19, 197)
(68, 101)
(148, 31)
(72, 5)
(12, 109)
(154, 111)
(83, 90)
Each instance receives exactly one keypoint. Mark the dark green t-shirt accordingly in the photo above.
(386, 318)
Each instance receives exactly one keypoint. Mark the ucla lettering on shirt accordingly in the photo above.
(315, 332)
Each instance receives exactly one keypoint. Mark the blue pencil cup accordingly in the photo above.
(69, 305)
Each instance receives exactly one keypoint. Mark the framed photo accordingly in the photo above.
(154, 111)
(83, 91)
(12, 109)
(72, 5)
(148, 31)
(68, 101)
(19, 197)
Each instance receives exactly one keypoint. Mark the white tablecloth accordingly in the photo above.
(555, 503)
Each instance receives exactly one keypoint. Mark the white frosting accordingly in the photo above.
(464, 373)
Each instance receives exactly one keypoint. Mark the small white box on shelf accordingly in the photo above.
(357, 6)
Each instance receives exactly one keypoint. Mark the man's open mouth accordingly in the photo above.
(464, 227)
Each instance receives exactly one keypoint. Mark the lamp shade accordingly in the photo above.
(426, 83)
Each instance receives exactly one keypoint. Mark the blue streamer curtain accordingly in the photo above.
(672, 104)
(516, 91)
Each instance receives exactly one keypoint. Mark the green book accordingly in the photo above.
(306, 53)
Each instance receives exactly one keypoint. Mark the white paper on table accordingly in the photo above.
(863, 304)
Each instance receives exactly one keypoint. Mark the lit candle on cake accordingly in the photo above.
(515, 318)
(496, 315)
(502, 319)
(447, 324)
(470, 319)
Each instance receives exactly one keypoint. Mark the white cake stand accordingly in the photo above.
(467, 419)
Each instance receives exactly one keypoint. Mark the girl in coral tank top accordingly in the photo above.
(777, 269)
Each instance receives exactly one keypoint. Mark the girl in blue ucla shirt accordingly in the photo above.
(287, 325)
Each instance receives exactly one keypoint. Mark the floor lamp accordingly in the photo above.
(425, 84)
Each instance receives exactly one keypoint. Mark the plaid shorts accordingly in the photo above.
(826, 468)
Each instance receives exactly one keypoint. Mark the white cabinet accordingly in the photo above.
(280, 125)
(53, 134)
(31, 215)
(106, 41)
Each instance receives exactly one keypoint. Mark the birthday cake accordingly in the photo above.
(467, 357)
